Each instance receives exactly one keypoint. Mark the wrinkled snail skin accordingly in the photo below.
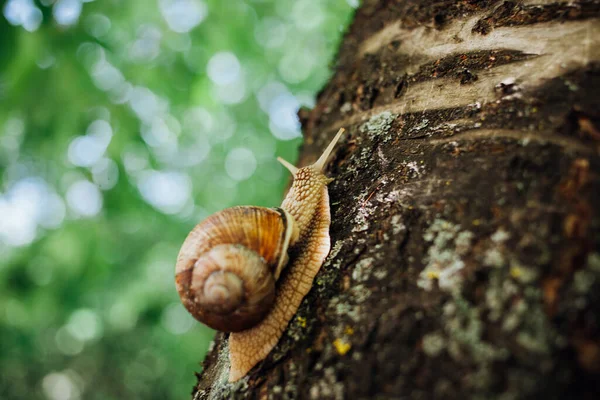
(308, 203)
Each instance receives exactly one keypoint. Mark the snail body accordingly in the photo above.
(229, 269)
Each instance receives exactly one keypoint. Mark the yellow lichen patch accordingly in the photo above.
(433, 274)
(341, 346)
(516, 272)
(348, 330)
(301, 321)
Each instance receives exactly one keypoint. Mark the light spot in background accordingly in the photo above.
(272, 171)
(147, 45)
(158, 133)
(153, 360)
(198, 120)
(270, 32)
(176, 319)
(120, 94)
(62, 386)
(14, 127)
(159, 273)
(135, 159)
(307, 14)
(66, 343)
(40, 270)
(84, 198)
(122, 316)
(297, 66)
(240, 163)
(231, 93)
(216, 126)
(220, 191)
(15, 313)
(85, 325)
(183, 15)
(195, 58)
(85, 151)
(268, 93)
(181, 43)
(187, 211)
(223, 68)
(225, 126)
(11, 138)
(66, 12)
(23, 13)
(101, 129)
(192, 153)
(263, 146)
(146, 104)
(106, 76)
(89, 54)
(52, 212)
(353, 3)
(105, 173)
(45, 60)
(284, 122)
(306, 99)
(166, 191)
(29, 203)
(97, 25)
(167, 154)
(99, 112)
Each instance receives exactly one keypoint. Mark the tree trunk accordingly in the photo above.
(465, 229)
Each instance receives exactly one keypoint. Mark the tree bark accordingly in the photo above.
(465, 257)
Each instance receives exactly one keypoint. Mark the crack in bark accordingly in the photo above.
(513, 14)
(566, 143)
(444, 93)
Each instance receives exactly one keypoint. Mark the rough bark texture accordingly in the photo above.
(466, 235)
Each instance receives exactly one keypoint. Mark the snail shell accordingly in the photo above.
(228, 265)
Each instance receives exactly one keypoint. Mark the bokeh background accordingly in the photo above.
(122, 124)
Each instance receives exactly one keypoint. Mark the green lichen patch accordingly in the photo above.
(444, 261)
(465, 330)
(379, 125)
(328, 387)
(363, 269)
(433, 344)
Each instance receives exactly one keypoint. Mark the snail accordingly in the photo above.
(230, 269)
(231, 262)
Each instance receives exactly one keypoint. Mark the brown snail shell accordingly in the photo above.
(228, 265)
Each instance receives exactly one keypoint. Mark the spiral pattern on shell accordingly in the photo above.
(228, 265)
(235, 284)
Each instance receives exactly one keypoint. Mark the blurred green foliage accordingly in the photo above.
(122, 124)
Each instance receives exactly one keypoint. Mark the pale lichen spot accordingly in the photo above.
(444, 262)
(433, 344)
(379, 124)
